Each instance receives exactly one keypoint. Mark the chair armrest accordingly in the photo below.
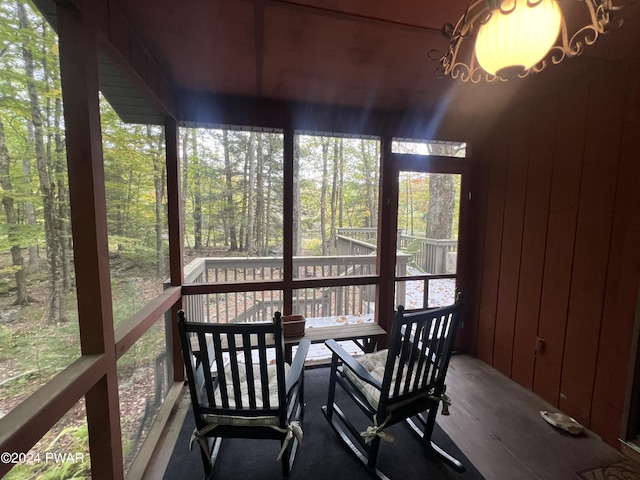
(352, 364)
(297, 366)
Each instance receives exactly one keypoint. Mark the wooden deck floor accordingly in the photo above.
(495, 422)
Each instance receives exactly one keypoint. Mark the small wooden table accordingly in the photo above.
(365, 335)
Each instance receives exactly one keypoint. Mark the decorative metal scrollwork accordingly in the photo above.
(602, 14)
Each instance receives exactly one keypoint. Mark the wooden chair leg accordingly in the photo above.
(210, 463)
(286, 461)
(425, 434)
(374, 447)
(331, 395)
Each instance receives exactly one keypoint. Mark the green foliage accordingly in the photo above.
(66, 457)
(132, 253)
(312, 246)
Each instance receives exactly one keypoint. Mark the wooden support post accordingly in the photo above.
(287, 214)
(79, 77)
(387, 227)
(176, 243)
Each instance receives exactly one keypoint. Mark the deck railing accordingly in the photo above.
(429, 255)
(250, 306)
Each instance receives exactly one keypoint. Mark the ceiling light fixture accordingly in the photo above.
(516, 37)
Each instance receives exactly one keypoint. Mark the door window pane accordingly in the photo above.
(428, 219)
(428, 216)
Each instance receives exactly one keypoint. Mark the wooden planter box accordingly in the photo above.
(293, 325)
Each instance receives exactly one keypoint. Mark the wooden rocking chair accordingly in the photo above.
(239, 390)
(404, 382)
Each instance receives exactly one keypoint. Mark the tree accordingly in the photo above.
(197, 196)
(442, 196)
(230, 208)
(47, 183)
(260, 241)
(156, 142)
(251, 190)
(442, 201)
(335, 188)
(323, 194)
(184, 137)
(297, 210)
(22, 296)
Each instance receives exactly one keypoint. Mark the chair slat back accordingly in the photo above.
(420, 347)
(229, 367)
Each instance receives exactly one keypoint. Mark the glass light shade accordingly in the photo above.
(510, 43)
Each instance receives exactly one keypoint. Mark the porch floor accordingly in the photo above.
(495, 422)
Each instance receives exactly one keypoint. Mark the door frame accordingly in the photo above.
(393, 165)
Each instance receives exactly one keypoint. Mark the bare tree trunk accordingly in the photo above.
(22, 296)
(297, 210)
(441, 205)
(269, 167)
(341, 187)
(371, 180)
(260, 211)
(197, 195)
(47, 188)
(29, 209)
(228, 171)
(158, 183)
(323, 195)
(251, 191)
(442, 197)
(64, 207)
(185, 179)
(243, 224)
(334, 192)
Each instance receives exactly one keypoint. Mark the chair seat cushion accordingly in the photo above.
(272, 384)
(238, 420)
(375, 364)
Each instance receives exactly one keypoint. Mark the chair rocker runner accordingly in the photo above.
(237, 391)
(404, 382)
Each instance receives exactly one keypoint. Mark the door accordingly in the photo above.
(432, 215)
